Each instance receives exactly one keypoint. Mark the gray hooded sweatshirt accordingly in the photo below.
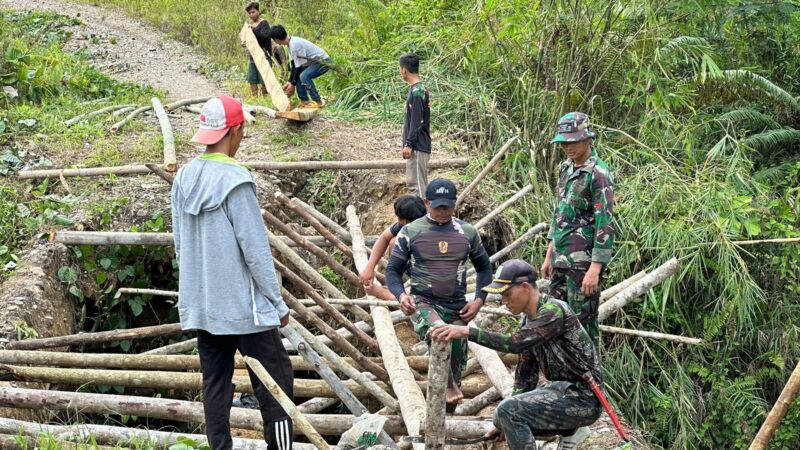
(227, 279)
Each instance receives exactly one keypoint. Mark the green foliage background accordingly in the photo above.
(696, 108)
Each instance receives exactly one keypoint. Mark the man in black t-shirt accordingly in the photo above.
(260, 29)
(416, 126)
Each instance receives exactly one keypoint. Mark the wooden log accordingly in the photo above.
(494, 368)
(325, 220)
(107, 109)
(390, 164)
(502, 207)
(339, 341)
(86, 172)
(301, 424)
(133, 114)
(651, 335)
(478, 178)
(68, 237)
(619, 287)
(185, 102)
(305, 268)
(269, 112)
(478, 402)
(316, 404)
(294, 205)
(346, 368)
(170, 160)
(161, 173)
(140, 291)
(298, 281)
(438, 374)
(106, 434)
(638, 288)
(412, 402)
(326, 258)
(192, 412)
(122, 111)
(298, 114)
(778, 411)
(96, 338)
(279, 98)
(525, 237)
(174, 349)
(768, 241)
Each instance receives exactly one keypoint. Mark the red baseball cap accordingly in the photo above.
(217, 116)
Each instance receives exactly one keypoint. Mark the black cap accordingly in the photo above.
(511, 273)
(441, 192)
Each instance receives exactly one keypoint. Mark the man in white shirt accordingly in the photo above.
(308, 62)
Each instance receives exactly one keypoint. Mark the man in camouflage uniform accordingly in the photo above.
(582, 232)
(550, 338)
(435, 249)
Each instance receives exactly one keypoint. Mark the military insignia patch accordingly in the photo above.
(442, 247)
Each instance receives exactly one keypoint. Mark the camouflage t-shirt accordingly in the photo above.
(582, 229)
(437, 261)
(553, 341)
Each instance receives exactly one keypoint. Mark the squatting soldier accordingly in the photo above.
(582, 231)
(434, 250)
(550, 338)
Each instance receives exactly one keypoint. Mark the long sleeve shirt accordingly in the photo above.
(552, 341)
(417, 122)
(435, 256)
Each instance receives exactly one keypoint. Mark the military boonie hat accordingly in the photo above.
(511, 273)
(573, 127)
(441, 192)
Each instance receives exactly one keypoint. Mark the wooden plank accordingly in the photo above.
(298, 114)
(279, 98)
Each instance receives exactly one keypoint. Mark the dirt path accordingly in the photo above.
(129, 50)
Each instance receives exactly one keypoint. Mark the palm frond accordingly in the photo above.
(687, 45)
(752, 79)
(772, 139)
(749, 119)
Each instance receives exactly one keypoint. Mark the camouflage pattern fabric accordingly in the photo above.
(565, 285)
(438, 257)
(553, 341)
(582, 229)
(428, 316)
(559, 405)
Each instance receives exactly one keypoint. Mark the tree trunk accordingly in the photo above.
(96, 338)
(269, 112)
(86, 172)
(494, 368)
(527, 236)
(118, 126)
(503, 206)
(438, 374)
(325, 220)
(638, 288)
(493, 162)
(170, 160)
(477, 403)
(619, 287)
(186, 102)
(316, 405)
(161, 173)
(651, 335)
(68, 237)
(174, 349)
(107, 109)
(775, 416)
(412, 402)
(313, 222)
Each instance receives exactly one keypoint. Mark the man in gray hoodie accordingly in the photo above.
(229, 291)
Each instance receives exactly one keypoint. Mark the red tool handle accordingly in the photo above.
(589, 379)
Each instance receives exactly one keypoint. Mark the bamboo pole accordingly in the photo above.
(478, 402)
(294, 205)
(619, 287)
(325, 220)
(346, 368)
(503, 206)
(316, 404)
(122, 111)
(775, 416)
(438, 373)
(85, 172)
(69, 237)
(186, 102)
(495, 159)
(326, 258)
(651, 335)
(412, 402)
(769, 241)
(192, 412)
(525, 237)
(304, 267)
(118, 126)
(161, 173)
(389, 164)
(112, 435)
(96, 338)
(174, 349)
(317, 299)
(269, 112)
(107, 109)
(638, 288)
(170, 160)
(140, 291)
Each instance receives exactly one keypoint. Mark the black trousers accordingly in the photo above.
(217, 364)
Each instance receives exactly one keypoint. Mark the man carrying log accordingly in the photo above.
(308, 62)
(434, 250)
(582, 231)
(416, 125)
(550, 338)
(229, 291)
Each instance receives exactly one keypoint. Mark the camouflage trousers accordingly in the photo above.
(428, 316)
(559, 406)
(565, 285)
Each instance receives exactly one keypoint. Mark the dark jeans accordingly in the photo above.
(305, 86)
(217, 364)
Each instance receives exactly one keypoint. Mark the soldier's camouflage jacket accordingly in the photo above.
(582, 229)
